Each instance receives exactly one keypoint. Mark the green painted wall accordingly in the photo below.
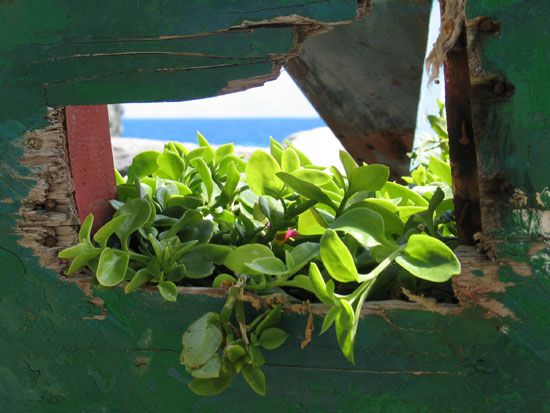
(56, 358)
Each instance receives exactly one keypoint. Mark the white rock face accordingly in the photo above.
(319, 144)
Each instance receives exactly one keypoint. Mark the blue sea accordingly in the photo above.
(246, 131)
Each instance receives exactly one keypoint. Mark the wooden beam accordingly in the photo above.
(91, 157)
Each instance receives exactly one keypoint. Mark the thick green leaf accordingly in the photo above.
(171, 165)
(273, 338)
(318, 283)
(408, 197)
(81, 255)
(346, 317)
(312, 176)
(86, 229)
(299, 207)
(303, 254)
(300, 281)
(210, 370)
(346, 340)
(256, 355)
(140, 277)
(268, 266)
(200, 261)
(223, 151)
(105, 232)
(405, 212)
(338, 178)
(363, 224)
(261, 170)
(233, 178)
(393, 225)
(428, 258)
(202, 141)
(441, 169)
(304, 160)
(270, 319)
(145, 163)
(138, 211)
(348, 162)
(168, 290)
(211, 387)
(208, 155)
(240, 165)
(272, 209)
(289, 160)
(276, 149)
(310, 223)
(112, 267)
(189, 218)
(119, 179)
(337, 259)
(329, 318)
(255, 378)
(368, 178)
(175, 147)
(234, 352)
(237, 258)
(126, 192)
(205, 174)
(201, 341)
(306, 189)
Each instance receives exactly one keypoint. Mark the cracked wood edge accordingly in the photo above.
(304, 28)
(48, 221)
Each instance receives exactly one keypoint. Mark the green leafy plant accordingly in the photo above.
(273, 224)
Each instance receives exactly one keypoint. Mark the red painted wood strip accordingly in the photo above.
(90, 154)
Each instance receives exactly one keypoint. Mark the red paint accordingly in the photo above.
(91, 157)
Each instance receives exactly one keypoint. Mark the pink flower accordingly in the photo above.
(290, 233)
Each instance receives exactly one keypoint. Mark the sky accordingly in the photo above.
(280, 98)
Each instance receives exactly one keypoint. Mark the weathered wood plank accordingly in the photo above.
(91, 161)
(364, 80)
(511, 114)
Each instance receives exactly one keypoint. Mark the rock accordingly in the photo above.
(320, 145)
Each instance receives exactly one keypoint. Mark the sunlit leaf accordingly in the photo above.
(237, 259)
(145, 163)
(112, 267)
(428, 258)
(289, 160)
(267, 265)
(337, 259)
(368, 178)
(261, 170)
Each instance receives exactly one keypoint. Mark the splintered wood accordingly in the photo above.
(48, 221)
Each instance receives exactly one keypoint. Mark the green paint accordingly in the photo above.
(55, 358)
(514, 137)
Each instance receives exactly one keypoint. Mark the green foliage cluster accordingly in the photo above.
(431, 152)
(274, 223)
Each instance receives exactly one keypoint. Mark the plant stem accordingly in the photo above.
(381, 267)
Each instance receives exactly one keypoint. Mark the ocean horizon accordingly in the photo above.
(240, 131)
